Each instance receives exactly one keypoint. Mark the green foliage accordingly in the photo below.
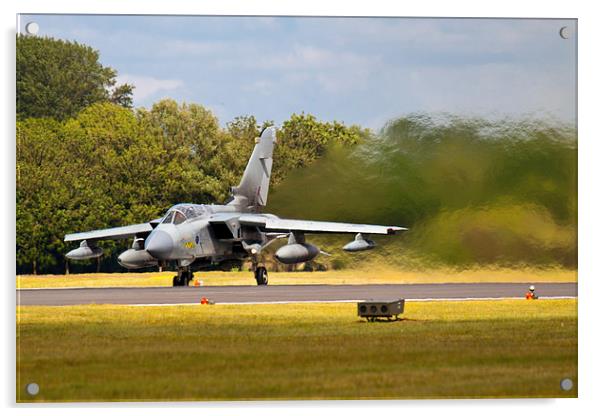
(75, 176)
(470, 190)
(303, 139)
(192, 165)
(111, 166)
(57, 78)
(38, 141)
(122, 95)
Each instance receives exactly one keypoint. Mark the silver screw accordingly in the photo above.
(32, 28)
(566, 384)
(33, 389)
(565, 32)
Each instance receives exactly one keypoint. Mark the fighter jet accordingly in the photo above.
(196, 237)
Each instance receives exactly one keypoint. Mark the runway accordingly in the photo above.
(285, 293)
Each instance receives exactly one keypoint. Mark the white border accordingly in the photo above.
(590, 209)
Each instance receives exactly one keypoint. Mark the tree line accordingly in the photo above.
(86, 159)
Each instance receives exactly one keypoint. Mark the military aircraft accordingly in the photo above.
(206, 236)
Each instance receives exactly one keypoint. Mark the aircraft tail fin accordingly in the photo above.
(255, 182)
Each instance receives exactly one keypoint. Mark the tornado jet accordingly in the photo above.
(192, 237)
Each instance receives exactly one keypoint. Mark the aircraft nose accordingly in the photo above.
(159, 245)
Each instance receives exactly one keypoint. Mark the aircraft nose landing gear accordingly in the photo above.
(261, 276)
(183, 277)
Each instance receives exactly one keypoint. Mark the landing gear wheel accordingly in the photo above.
(261, 276)
(183, 278)
(187, 276)
(177, 281)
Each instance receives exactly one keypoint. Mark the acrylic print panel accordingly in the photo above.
(205, 202)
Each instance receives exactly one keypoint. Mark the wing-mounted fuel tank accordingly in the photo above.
(137, 257)
(296, 251)
(359, 244)
(86, 250)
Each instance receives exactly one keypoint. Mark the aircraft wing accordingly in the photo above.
(113, 233)
(315, 227)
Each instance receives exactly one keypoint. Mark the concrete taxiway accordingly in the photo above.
(285, 293)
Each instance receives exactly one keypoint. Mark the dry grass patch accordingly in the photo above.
(329, 277)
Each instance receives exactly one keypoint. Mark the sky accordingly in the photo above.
(363, 71)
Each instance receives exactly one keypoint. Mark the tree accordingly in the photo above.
(302, 139)
(198, 157)
(38, 176)
(109, 166)
(242, 132)
(57, 78)
(89, 172)
(122, 95)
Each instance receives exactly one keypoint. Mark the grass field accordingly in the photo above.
(507, 348)
(329, 277)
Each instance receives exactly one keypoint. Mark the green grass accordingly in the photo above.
(441, 275)
(508, 348)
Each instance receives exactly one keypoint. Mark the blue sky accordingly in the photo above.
(355, 70)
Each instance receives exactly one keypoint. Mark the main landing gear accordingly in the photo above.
(261, 276)
(183, 277)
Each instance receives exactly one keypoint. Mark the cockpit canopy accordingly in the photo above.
(182, 212)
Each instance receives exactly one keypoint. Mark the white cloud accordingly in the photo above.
(261, 86)
(330, 70)
(356, 70)
(186, 47)
(312, 57)
(492, 89)
(447, 35)
(148, 86)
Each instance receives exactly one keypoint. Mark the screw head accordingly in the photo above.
(32, 28)
(565, 32)
(32, 389)
(566, 384)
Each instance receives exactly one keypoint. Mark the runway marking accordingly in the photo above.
(490, 298)
(280, 302)
(248, 303)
